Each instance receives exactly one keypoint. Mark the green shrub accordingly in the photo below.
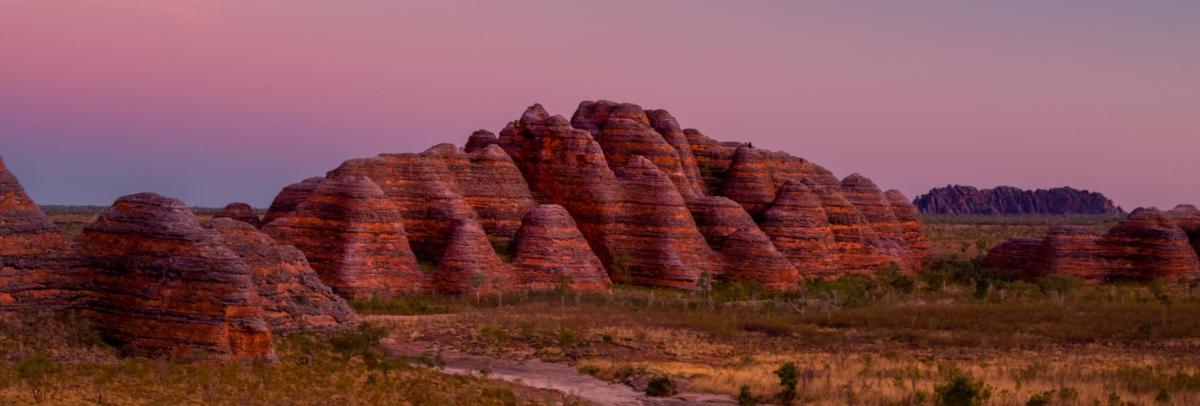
(961, 390)
(788, 378)
(744, 398)
(660, 386)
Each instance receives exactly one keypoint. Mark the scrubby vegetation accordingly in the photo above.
(59, 362)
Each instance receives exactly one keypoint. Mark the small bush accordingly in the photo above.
(961, 390)
(660, 386)
(788, 378)
(744, 398)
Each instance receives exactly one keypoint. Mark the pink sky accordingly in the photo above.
(216, 101)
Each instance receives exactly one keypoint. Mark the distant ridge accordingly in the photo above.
(958, 199)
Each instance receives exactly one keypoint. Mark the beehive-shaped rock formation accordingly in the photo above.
(158, 283)
(292, 295)
(354, 237)
(551, 253)
(241, 212)
(32, 253)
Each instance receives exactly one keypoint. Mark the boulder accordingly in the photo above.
(157, 283)
(354, 237)
(551, 253)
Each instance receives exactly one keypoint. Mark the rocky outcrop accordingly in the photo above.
(157, 283)
(955, 199)
(470, 265)
(800, 229)
(1187, 217)
(290, 197)
(241, 212)
(746, 253)
(713, 158)
(485, 184)
(1147, 245)
(655, 233)
(635, 184)
(1017, 258)
(354, 237)
(292, 295)
(623, 131)
(32, 253)
(551, 253)
(908, 227)
(480, 139)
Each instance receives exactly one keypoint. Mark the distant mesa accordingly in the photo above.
(956, 199)
(1149, 244)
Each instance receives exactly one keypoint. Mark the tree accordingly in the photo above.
(788, 378)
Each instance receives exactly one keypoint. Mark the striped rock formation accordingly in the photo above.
(551, 253)
(241, 212)
(157, 283)
(290, 197)
(641, 191)
(32, 253)
(746, 253)
(355, 239)
(1147, 245)
(292, 295)
(800, 229)
(470, 265)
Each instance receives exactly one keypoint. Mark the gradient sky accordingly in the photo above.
(216, 101)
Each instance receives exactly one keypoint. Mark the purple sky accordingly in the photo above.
(216, 101)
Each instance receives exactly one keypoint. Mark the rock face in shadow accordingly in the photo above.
(480, 139)
(746, 253)
(293, 297)
(551, 253)
(1147, 245)
(157, 283)
(32, 253)
(241, 212)
(354, 237)
(713, 158)
(956, 199)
